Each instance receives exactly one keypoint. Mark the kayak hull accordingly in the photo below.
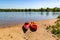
(33, 27)
(26, 25)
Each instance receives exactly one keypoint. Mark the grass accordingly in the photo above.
(55, 28)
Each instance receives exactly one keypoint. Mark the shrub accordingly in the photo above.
(58, 17)
(48, 27)
(55, 31)
(58, 24)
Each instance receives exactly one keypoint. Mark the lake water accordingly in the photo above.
(12, 18)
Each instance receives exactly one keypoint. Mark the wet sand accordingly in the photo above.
(16, 32)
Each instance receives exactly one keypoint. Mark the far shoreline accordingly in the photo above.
(55, 9)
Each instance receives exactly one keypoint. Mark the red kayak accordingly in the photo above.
(26, 25)
(33, 26)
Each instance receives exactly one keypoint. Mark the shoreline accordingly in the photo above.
(16, 32)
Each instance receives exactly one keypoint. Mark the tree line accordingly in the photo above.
(32, 10)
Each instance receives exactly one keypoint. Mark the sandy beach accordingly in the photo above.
(16, 32)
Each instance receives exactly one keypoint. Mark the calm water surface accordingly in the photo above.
(12, 18)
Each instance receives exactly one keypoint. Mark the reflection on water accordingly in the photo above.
(56, 13)
(9, 18)
(41, 13)
(47, 13)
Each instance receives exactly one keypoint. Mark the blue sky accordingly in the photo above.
(29, 3)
